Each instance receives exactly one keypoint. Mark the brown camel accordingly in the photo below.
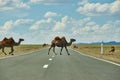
(9, 43)
(112, 49)
(60, 42)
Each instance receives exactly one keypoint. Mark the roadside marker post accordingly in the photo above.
(102, 47)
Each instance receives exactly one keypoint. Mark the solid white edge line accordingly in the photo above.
(20, 54)
(97, 58)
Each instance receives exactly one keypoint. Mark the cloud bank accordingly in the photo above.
(96, 9)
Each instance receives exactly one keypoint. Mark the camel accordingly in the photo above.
(44, 45)
(112, 49)
(9, 43)
(60, 42)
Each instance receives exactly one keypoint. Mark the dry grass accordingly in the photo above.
(22, 49)
(94, 50)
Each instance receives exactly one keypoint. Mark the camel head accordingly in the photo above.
(72, 40)
(21, 39)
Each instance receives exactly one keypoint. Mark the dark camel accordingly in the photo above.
(44, 45)
(60, 42)
(9, 43)
(112, 49)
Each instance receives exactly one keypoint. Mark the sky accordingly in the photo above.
(39, 21)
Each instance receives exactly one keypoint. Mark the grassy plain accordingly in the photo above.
(22, 49)
(94, 50)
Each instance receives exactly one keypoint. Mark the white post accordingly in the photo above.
(102, 47)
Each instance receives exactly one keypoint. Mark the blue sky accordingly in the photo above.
(39, 21)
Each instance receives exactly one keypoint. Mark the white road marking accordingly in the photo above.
(45, 66)
(97, 58)
(50, 59)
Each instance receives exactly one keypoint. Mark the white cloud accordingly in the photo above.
(50, 14)
(95, 9)
(92, 33)
(44, 24)
(91, 24)
(60, 25)
(36, 1)
(11, 24)
(51, 24)
(115, 7)
(50, 1)
(23, 21)
(23, 5)
(83, 2)
(15, 29)
(6, 5)
(7, 25)
(83, 30)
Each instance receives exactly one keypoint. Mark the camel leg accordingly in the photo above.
(54, 50)
(11, 51)
(49, 50)
(61, 51)
(67, 50)
(3, 51)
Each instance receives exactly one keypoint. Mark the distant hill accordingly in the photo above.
(110, 42)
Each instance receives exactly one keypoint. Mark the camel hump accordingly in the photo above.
(57, 38)
(8, 39)
(11, 38)
(63, 38)
(5, 39)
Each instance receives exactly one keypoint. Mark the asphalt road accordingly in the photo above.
(40, 66)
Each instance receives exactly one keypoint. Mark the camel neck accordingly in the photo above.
(68, 44)
(17, 43)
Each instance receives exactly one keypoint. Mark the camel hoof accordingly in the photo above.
(60, 54)
(68, 54)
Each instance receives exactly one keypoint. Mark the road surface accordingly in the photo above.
(40, 66)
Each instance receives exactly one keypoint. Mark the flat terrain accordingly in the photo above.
(40, 66)
(94, 50)
(22, 49)
(90, 49)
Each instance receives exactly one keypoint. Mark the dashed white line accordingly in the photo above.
(50, 59)
(45, 66)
